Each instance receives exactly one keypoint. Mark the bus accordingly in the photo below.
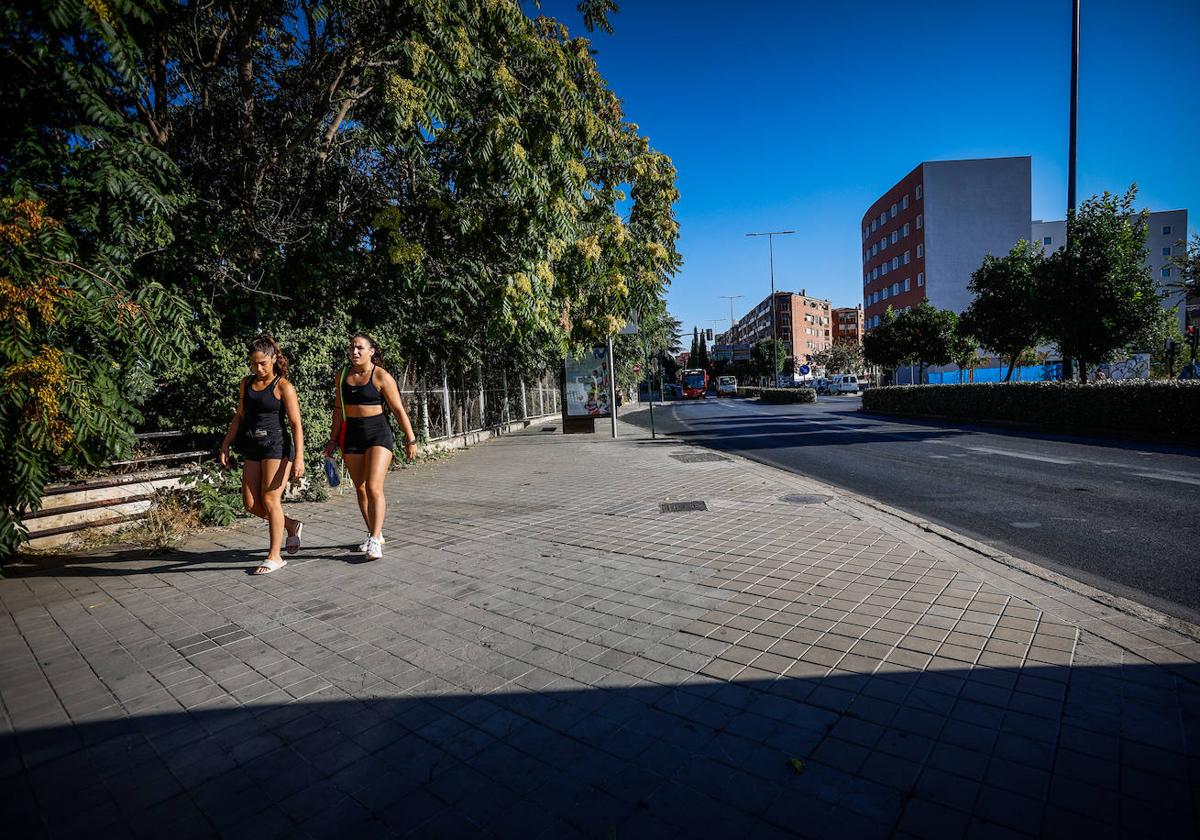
(695, 383)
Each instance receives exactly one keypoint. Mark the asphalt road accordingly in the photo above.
(1122, 516)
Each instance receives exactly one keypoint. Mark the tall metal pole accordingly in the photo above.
(732, 323)
(612, 386)
(1072, 146)
(774, 327)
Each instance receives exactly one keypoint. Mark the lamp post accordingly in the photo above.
(732, 323)
(1072, 146)
(774, 328)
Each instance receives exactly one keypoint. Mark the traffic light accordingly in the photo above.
(708, 334)
(1193, 339)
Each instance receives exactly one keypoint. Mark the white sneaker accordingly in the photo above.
(374, 548)
(362, 547)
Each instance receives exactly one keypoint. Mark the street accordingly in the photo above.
(1121, 516)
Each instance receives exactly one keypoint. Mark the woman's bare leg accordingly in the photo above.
(378, 459)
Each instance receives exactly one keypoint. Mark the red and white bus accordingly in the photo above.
(694, 383)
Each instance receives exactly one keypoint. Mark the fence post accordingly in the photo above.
(446, 402)
(524, 403)
(541, 389)
(482, 405)
(423, 395)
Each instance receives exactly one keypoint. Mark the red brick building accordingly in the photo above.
(848, 325)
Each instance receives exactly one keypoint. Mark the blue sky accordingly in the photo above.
(797, 115)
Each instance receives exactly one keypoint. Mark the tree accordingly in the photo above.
(1187, 263)
(840, 358)
(1005, 315)
(926, 335)
(701, 354)
(1097, 294)
(964, 349)
(767, 357)
(694, 352)
(882, 345)
(1165, 328)
(85, 199)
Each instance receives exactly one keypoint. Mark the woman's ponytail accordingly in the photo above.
(267, 345)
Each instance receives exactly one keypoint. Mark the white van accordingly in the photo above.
(844, 383)
(726, 386)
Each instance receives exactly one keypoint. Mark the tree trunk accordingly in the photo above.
(1083, 372)
(1012, 362)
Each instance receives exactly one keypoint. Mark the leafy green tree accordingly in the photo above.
(1165, 328)
(882, 345)
(926, 335)
(964, 349)
(767, 357)
(1187, 263)
(84, 334)
(1097, 294)
(840, 358)
(1005, 315)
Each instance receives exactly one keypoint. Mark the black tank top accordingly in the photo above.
(365, 394)
(262, 409)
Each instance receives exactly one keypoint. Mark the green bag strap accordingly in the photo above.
(341, 396)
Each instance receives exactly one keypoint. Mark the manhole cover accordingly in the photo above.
(806, 499)
(549, 428)
(680, 507)
(698, 457)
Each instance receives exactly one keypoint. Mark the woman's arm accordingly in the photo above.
(233, 426)
(291, 404)
(391, 393)
(335, 429)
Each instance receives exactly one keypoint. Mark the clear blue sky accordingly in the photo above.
(785, 115)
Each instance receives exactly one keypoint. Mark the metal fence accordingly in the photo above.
(441, 407)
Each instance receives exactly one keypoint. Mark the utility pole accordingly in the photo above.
(774, 325)
(1072, 145)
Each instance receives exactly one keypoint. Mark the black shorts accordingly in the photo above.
(364, 432)
(255, 446)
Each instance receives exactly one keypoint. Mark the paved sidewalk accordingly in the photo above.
(544, 652)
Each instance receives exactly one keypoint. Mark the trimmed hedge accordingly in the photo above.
(780, 395)
(1140, 408)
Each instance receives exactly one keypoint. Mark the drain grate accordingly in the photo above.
(806, 499)
(698, 457)
(681, 507)
(549, 428)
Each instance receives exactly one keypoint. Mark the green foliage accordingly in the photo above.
(214, 494)
(1186, 261)
(1164, 328)
(1164, 410)
(1097, 294)
(923, 335)
(1005, 315)
(767, 357)
(85, 198)
(840, 358)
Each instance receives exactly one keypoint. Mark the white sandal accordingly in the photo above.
(270, 566)
(292, 543)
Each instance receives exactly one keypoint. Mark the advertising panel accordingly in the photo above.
(587, 384)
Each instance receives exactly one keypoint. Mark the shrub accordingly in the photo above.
(780, 395)
(1139, 407)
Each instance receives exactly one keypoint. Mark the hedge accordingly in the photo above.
(780, 395)
(1139, 408)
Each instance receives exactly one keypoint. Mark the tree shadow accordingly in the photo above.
(1052, 751)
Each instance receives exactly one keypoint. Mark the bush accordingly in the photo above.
(780, 395)
(1139, 407)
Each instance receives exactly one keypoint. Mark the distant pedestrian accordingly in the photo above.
(360, 426)
(267, 406)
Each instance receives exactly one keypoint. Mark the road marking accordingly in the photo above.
(1044, 458)
(1026, 525)
(1163, 476)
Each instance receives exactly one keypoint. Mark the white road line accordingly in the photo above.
(1024, 456)
(1164, 477)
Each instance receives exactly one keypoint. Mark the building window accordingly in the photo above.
(873, 225)
(920, 220)
(1046, 240)
(895, 263)
(904, 202)
(874, 249)
(866, 233)
(895, 210)
(919, 192)
(883, 269)
(1167, 251)
(907, 283)
(895, 289)
(895, 236)
(904, 230)
(1166, 230)
(885, 294)
(1166, 272)
(920, 251)
(920, 279)
(883, 218)
(906, 253)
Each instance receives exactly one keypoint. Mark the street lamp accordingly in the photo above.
(732, 323)
(774, 330)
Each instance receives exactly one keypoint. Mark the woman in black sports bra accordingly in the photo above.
(363, 388)
(267, 406)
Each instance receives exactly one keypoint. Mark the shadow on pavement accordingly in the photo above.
(1085, 751)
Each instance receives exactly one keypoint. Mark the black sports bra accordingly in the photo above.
(365, 394)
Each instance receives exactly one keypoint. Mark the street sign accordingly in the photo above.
(803, 370)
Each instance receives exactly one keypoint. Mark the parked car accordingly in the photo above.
(821, 385)
(726, 386)
(844, 383)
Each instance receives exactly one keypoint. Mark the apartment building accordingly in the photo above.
(1165, 236)
(924, 236)
(802, 323)
(848, 325)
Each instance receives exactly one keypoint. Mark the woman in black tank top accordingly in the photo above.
(267, 406)
(361, 428)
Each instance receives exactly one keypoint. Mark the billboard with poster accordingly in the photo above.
(586, 392)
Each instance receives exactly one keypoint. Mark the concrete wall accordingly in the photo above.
(972, 208)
